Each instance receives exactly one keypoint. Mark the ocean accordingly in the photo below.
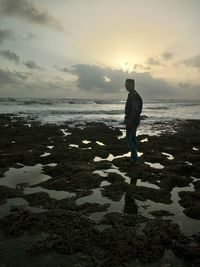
(111, 112)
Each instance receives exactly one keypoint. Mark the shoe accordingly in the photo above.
(134, 159)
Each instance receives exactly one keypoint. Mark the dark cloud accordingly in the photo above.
(10, 55)
(92, 79)
(6, 34)
(6, 77)
(192, 62)
(34, 84)
(186, 84)
(11, 77)
(32, 65)
(65, 70)
(92, 82)
(61, 69)
(152, 62)
(168, 55)
(27, 10)
(190, 90)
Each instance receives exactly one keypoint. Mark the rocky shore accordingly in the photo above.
(70, 197)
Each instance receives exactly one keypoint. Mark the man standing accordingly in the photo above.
(133, 110)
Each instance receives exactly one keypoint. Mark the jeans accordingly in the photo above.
(131, 140)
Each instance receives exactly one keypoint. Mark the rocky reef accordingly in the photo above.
(116, 213)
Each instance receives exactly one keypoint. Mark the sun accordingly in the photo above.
(127, 67)
(125, 64)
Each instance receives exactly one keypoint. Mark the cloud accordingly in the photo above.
(61, 69)
(168, 55)
(192, 62)
(6, 34)
(30, 12)
(34, 84)
(186, 84)
(30, 37)
(32, 65)
(152, 62)
(140, 67)
(10, 77)
(190, 89)
(91, 78)
(91, 82)
(10, 55)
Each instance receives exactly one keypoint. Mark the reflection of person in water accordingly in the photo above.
(130, 205)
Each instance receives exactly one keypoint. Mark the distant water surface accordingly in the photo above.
(110, 112)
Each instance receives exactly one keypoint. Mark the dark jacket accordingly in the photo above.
(133, 106)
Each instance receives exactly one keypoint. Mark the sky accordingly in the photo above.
(88, 48)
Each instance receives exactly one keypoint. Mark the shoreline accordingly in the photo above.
(126, 227)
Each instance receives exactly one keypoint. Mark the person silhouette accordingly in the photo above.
(133, 110)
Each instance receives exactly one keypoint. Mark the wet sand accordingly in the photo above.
(70, 197)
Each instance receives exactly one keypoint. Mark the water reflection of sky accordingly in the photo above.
(187, 225)
(30, 175)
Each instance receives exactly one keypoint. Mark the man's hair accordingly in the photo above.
(131, 81)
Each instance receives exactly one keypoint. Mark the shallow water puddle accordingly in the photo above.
(195, 148)
(154, 165)
(13, 202)
(188, 163)
(146, 184)
(86, 142)
(102, 173)
(51, 164)
(73, 145)
(52, 193)
(65, 132)
(123, 134)
(144, 140)
(45, 154)
(194, 179)
(100, 143)
(105, 172)
(111, 157)
(103, 183)
(169, 156)
(26, 175)
(96, 197)
(187, 225)
(50, 147)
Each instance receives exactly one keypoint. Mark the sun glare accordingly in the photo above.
(107, 79)
(126, 64)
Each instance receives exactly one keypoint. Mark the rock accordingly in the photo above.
(114, 191)
(7, 192)
(191, 202)
(114, 177)
(193, 212)
(161, 213)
